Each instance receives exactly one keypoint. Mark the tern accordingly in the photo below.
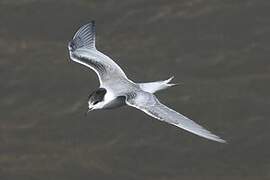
(116, 89)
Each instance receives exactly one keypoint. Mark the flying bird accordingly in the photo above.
(116, 89)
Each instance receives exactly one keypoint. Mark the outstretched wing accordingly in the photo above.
(82, 50)
(148, 103)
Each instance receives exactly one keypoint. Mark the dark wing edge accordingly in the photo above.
(163, 113)
(83, 51)
(84, 37)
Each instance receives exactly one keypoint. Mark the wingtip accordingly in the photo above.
(222, 141)
(84, 37)
(92, 23)
(217, 139)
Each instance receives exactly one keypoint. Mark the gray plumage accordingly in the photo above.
(116, 89)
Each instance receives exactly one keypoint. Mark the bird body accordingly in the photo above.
(117, 90)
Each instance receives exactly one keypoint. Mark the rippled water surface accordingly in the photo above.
(217, 50)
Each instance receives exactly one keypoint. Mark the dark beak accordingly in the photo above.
(90, 109)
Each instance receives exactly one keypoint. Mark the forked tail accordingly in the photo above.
(153, 87)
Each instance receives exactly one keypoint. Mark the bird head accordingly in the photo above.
(96, 99)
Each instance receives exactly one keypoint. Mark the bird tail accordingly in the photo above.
(153, 87)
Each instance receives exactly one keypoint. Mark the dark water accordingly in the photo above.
(218, 50)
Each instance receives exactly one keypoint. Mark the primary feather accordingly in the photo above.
(82, 50)
(148, 103)
(113, 80)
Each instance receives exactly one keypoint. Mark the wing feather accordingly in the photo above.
(148, 103)
(83, 51)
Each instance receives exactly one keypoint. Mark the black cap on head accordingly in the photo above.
(97, 96)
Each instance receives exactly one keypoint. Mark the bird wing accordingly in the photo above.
(82, 50)
(148, 103)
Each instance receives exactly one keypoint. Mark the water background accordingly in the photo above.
(218, 50)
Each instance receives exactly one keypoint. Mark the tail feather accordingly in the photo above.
(153, 87)
(170, 84)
